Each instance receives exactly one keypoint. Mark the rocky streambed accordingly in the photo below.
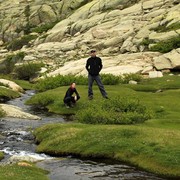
(18, 144)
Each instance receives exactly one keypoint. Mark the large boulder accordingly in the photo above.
(12, 85)
(168, 61)
(16, 112)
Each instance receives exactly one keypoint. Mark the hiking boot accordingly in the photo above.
(90, 97)
(67, 106)
(105, 97)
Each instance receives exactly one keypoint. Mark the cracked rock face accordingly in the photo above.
(113, 28)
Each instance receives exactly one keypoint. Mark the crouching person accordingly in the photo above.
(69, 99)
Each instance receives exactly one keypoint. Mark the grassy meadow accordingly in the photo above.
(22, 171)
(1, 155)
(153, 145)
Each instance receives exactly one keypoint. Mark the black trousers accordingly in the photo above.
(69, 100)
(97, 78)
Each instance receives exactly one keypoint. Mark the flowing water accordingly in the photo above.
(17, 140)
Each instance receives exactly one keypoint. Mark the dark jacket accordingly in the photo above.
(94, 65)
(70, 92)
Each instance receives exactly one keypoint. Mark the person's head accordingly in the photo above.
(73, 85)
(93, 53)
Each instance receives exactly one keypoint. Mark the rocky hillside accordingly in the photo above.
(131, 36)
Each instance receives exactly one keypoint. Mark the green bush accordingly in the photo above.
(8, 64)
(27, 71)
(60, 80)
(131, 76)
(42, 100)
(110, 79)
(20, 42)
(44, 27)
(114, 111)
(167, 46)
(146, 42)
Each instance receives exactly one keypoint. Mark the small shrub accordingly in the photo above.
(20, 42)
(114, 111)
(27, 71)
(7, 66)
(110, 79)
(44, 27)
(146, 42)
(60, 80)
(2, 113)
(131, 76)
(167, 46)
(41, 100)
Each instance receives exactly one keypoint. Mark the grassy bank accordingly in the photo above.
(7, 94)
(152, 145)
(153, 149)
(19, 172)
(1, 155)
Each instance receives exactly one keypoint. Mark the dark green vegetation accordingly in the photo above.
(152, 145)
(60, 80)
(7, 66)
(117, 110)
(1, 155)
(44, 27)
(20, 42)
(27, 71)
(165, 28)
(10, 172)
(162, 46)
(7, 94)
(167, 46)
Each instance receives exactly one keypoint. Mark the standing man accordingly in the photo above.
(94, 66)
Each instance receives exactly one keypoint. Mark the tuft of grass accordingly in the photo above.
(117, 110)
(152, 149)
(9, 172)
(1, 153)
(7, 94)
(26, 85)
(18, 43)
(27, 70)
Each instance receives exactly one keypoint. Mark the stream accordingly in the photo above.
(18, 141)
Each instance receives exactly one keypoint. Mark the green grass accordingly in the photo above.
(10, 172)
(153, 149)
(8, 94)
(1, 155)
(152, 145)
(26, 85)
